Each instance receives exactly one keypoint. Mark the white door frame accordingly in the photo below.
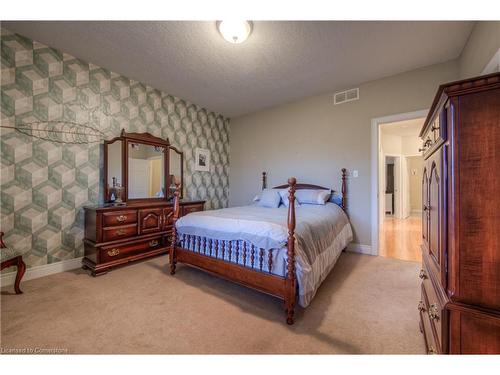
(375, 141)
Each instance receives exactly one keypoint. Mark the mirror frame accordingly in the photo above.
(105, 168)
(170, 195)
(143, 138)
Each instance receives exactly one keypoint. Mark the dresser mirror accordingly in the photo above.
(136, 166)
(176, 170)
(146, 170)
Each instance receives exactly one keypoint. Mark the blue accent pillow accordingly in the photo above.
(269, 198)
(336, 198)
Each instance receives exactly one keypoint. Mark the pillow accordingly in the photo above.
(284, 198)
(269, 198)
(336, 198)
(312, 196)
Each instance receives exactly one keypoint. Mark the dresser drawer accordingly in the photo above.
(119, 218)
(111, 253)
(431, 343)
(119, 232)
(187, 209)
(435, 309)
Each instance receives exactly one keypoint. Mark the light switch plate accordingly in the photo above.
(355, 173)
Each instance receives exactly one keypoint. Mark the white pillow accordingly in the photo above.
(284, 198)
(269, 198)
(312, 196)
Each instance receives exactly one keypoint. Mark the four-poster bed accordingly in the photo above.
(268, 268)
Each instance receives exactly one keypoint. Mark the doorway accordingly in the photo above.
(391, 182)
(400, 195)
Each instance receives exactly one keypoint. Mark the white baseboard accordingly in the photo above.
(359, 248)
(40, 271)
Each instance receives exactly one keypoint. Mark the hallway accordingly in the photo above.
(401, 238)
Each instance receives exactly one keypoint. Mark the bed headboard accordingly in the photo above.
(343, 189)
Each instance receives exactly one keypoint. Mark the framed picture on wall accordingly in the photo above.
(202, 160)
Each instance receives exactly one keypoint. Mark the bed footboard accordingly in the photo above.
(223, 258)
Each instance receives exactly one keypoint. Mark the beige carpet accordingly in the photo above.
(366, 305)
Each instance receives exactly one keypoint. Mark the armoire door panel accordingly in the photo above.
(436, 212)
(476, 333)
(425, 212)
(479, 187)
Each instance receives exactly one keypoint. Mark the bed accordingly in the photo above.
(286, 251)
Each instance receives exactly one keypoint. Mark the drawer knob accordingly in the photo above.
(434, 312)
(121, 218)
(153, 243)
(120, 232)
(421, 306)
(421, 149)
(113, 252)
(422, 274)
(431, 350)
(434, 128)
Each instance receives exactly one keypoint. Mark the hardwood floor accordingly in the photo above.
(401, 238)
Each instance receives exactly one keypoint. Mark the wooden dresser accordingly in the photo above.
(116, 235)
(460, 297)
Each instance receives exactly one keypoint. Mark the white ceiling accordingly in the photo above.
(280, 62)
(407, 128)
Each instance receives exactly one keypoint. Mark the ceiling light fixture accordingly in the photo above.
(235, 31)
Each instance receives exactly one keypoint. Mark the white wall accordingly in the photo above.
(391, 144)
(410, 145)
(396, 145)
(482, 45)
(312, 139)
(416, 164)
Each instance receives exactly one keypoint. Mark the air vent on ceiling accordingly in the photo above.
(346, 96)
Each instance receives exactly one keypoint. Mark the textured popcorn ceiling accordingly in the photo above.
(279, 63)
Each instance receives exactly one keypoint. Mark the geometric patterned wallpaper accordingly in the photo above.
(44, 185)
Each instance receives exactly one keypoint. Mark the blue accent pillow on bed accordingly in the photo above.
(269, 198)
(336, 198)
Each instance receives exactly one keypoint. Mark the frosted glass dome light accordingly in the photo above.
(235, 31)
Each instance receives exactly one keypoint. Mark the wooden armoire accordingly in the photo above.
(460, 297)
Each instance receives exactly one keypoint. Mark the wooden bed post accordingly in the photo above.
(290, 282)
(172, 255)
(264, 180)
(344, 188)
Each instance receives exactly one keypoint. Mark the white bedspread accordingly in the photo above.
(322, 231)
